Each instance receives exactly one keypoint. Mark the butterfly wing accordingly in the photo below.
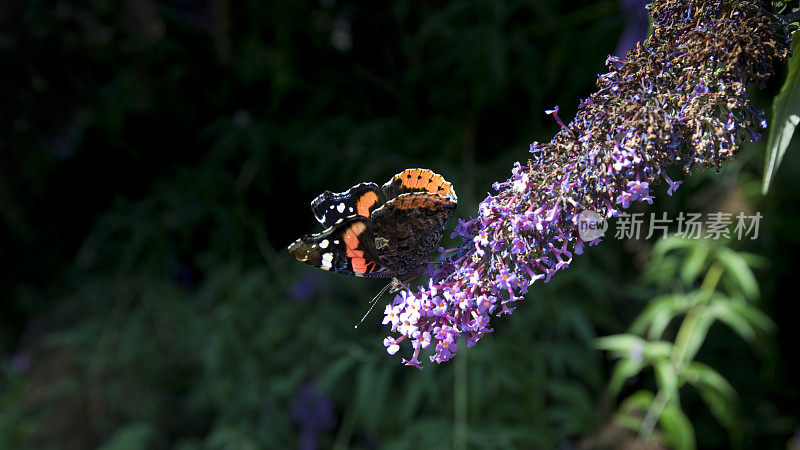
(407, 230)
(345, 248)
(360, 200)
(387, 231)
(419, 180)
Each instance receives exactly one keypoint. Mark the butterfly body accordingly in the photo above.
(388, 232)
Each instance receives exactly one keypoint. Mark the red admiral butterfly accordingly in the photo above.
(387, 232)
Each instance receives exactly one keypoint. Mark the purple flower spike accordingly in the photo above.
(678, 98)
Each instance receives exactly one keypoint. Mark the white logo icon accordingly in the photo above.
(591, 225)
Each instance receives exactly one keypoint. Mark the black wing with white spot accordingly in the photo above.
(332, 208)
(345, 248)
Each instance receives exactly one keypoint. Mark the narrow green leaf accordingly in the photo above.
(620, 344)
(630, 414)
(702, 375)
(677, 428)
(667, 379)
(664, 246)
(694, 262)
(638, 401)
(624, 369)
(659, 306)
(724, 411)
(729, 316)
(760, 321)
(702, 323)
(718, 395)
(654, 350)
(737, 268)
(660, 323)
(663, 272)
(785, 117)
(755, 261)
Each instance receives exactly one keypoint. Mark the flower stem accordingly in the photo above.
(653, 413)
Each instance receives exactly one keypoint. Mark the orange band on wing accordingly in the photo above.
(351, 235)
(416, 178)
(359, 265)
(365, 203)
(425, 179)
(351, 243)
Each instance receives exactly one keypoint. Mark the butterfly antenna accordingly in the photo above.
(372, 304)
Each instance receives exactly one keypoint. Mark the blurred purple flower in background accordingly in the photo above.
(312, 412)
(678, 98)
(21, 362)
(307, 287)
(635, 27)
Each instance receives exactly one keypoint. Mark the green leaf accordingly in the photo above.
(667, 379)
(664, 246)
(660, 323)
(620, 344)
(677, 428)
(694, 262)
(718, 395)
(760, 321)
(659, 309)
(655, 350)
(701, 375)
(724, 411)
(699, 331)
(737, 267)
(624, 369)
(631, 410)
(663, 272)
(785, 117)
(723, 309)
(755, 261)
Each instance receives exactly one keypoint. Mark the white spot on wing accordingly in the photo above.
(340, 208)
(327, 261)
(324, 243)
(351, 209)
(336, 241)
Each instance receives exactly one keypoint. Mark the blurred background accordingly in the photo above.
(157, 157)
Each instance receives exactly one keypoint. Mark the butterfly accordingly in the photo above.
(386, 232)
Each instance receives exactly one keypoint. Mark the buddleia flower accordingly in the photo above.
(676, 99)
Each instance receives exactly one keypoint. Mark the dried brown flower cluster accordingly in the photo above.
(678, 98)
